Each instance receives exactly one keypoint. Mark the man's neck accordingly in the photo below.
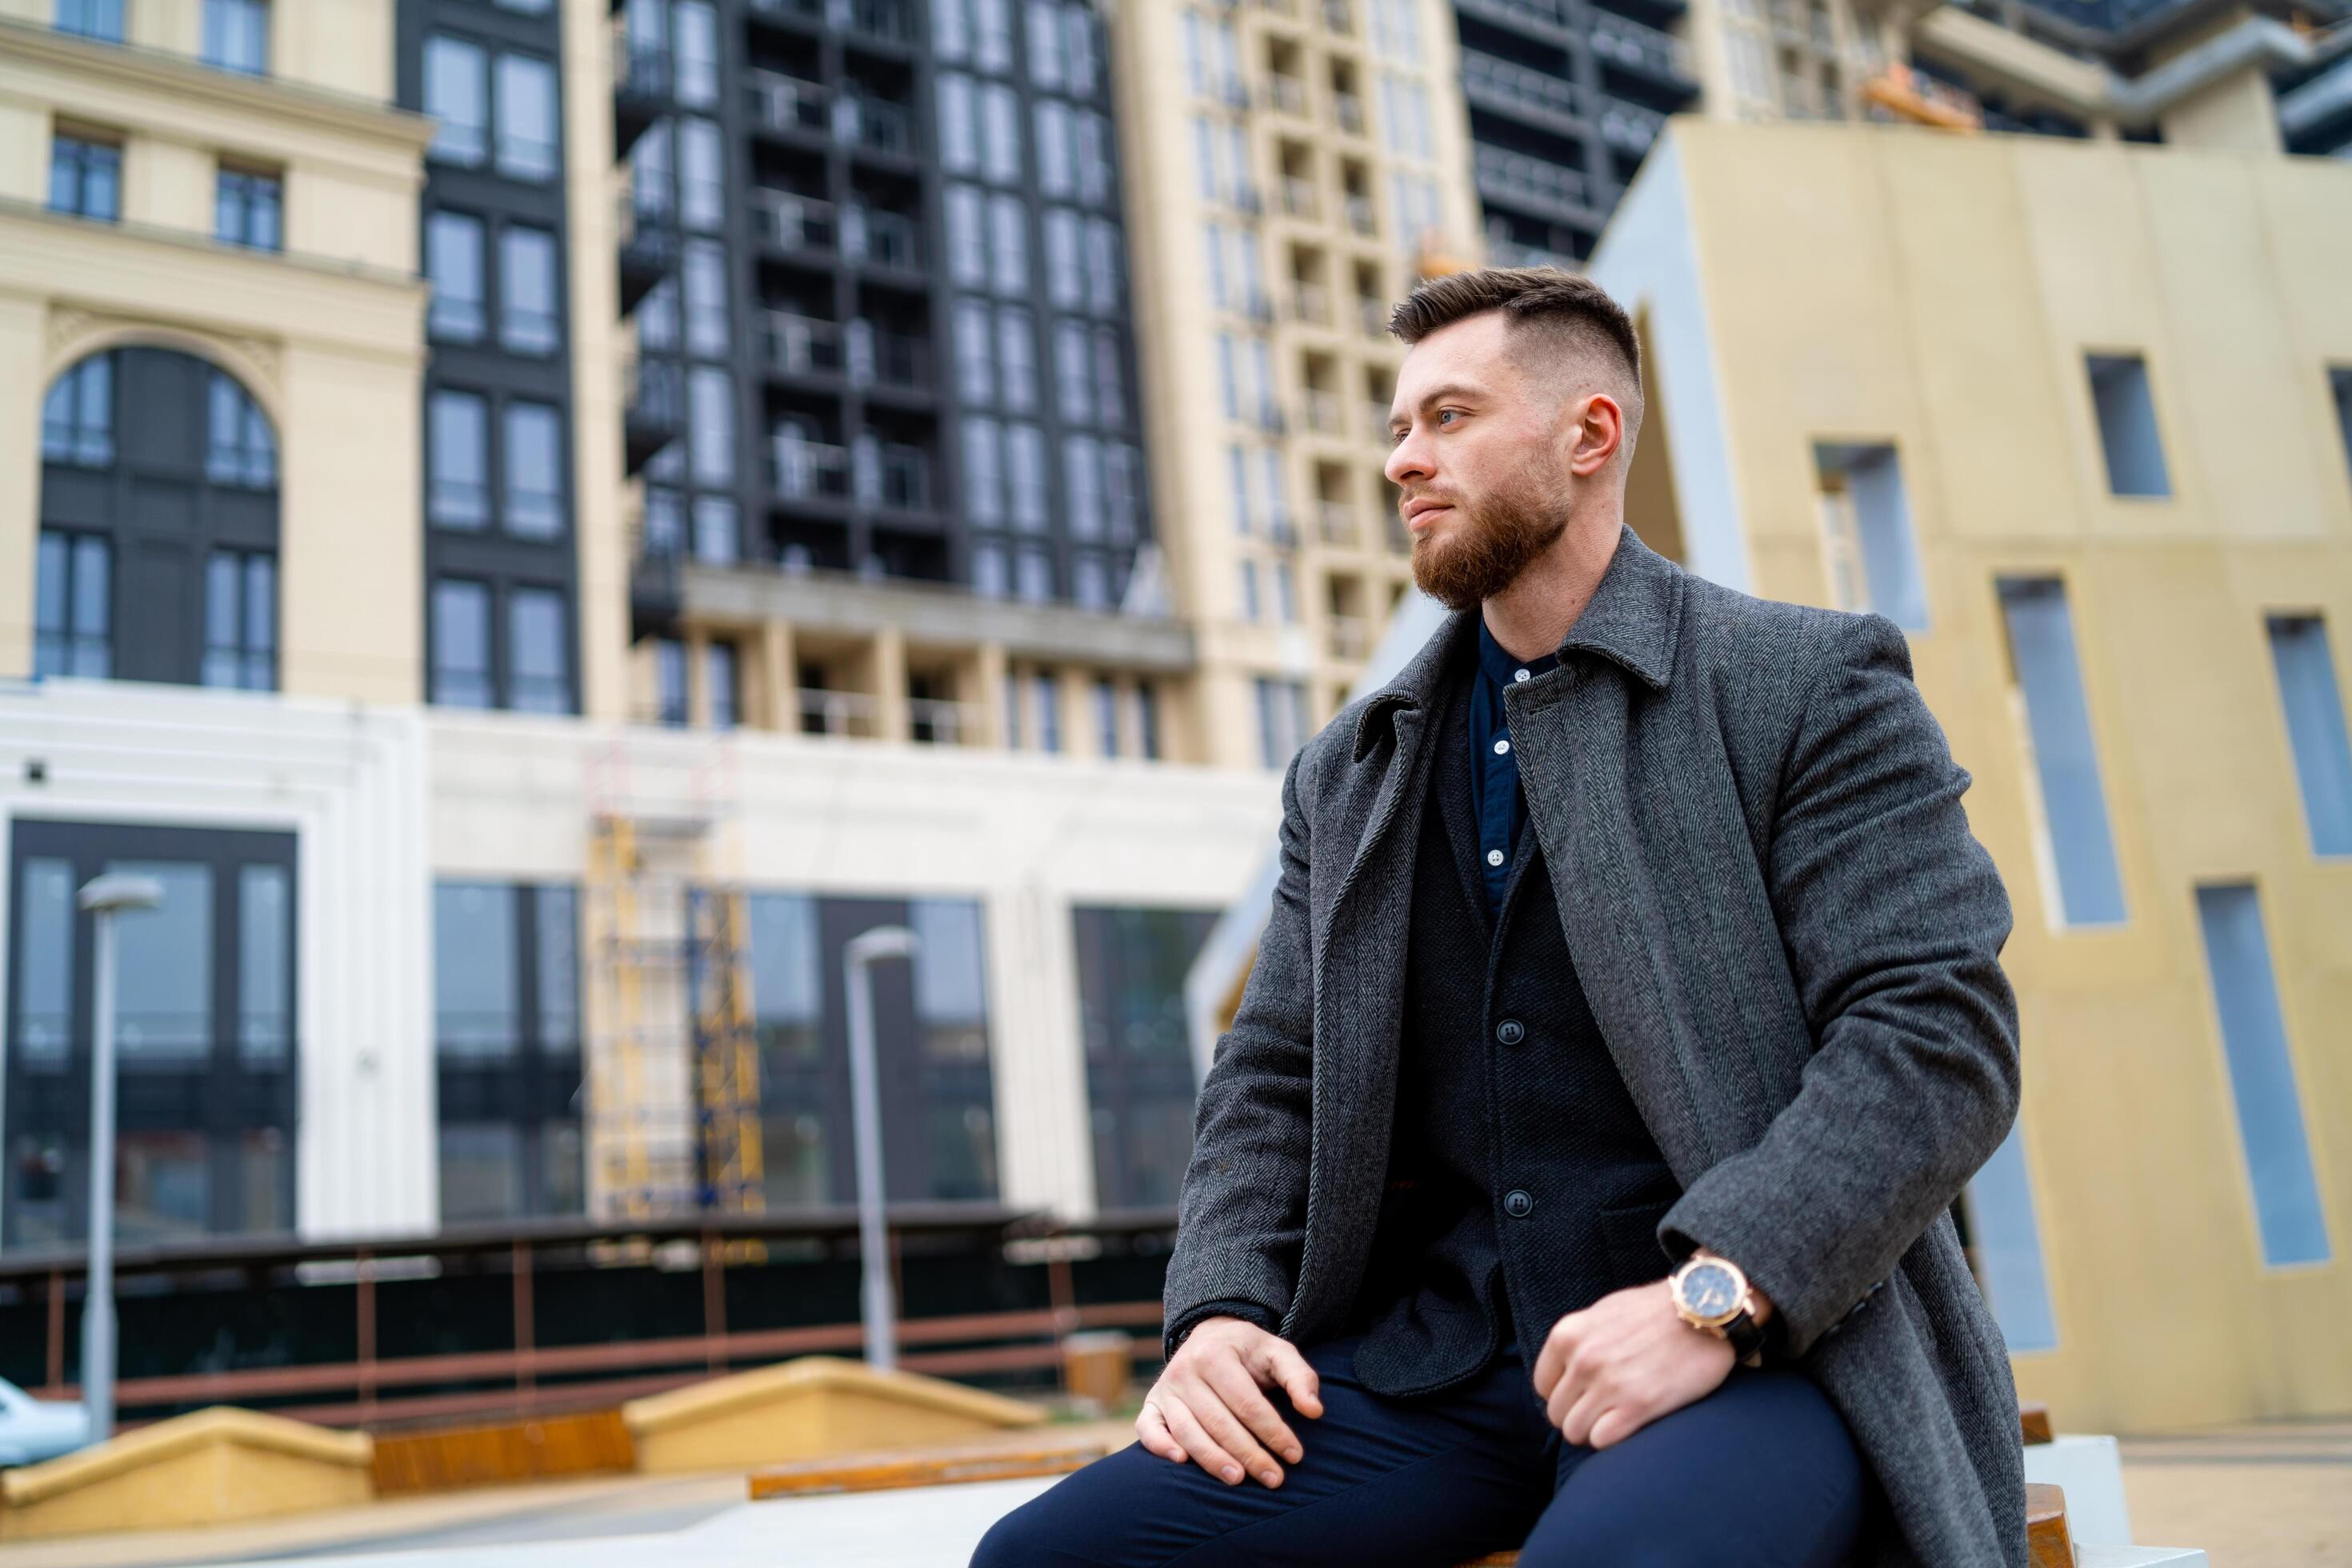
(1532, 616)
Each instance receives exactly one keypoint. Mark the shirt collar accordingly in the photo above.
(1497, 664)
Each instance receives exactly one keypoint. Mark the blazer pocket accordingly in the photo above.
(1629, 1232)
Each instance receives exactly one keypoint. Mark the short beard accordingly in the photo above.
(1488, 547)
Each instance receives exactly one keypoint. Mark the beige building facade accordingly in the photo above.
(2076, 415)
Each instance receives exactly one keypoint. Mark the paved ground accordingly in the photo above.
(2274, 1495)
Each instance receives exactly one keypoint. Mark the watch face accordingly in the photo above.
(1710, 1290)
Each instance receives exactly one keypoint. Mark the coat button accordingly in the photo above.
(1510, 1032)
(1517, 1204)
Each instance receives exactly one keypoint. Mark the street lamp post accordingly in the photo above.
(859, 958)
(104, 897)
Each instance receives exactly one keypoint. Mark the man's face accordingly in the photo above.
(1484, 488)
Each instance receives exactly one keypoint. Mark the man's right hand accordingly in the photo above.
(1207, 1406)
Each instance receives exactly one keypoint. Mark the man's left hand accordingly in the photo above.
(1610, 1370)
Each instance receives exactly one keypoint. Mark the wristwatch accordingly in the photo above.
(1711, 1295)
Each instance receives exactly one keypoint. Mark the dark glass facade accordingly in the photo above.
(1139, 1084)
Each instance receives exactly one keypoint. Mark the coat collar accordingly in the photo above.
(1633, 619)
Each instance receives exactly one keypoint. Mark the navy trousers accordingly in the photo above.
(1763, 1472)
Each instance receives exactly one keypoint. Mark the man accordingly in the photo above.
(1636, 924)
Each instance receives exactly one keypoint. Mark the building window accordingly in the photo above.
(236, 36)
(532, 507)
(540, 675)
(701, 176)
(990, 577)
(453, 264)
(1139, 1056)
(1082, 478)
(717, 531)
(2339, 386)
(2128, 432)
(950, 29)
(719, 684)
(1033, 574)
(1008, 245)
(457, 98)
(248, 208)
(2261, 1077)
(1071, 379)
(73, 611)
(1873, 559)
(983, 478)
(2315, 729)
(1110, 391)
(461, 643)
(1249, 602)
(1281, 718)
(527, 294)
(669, 682)
(1024, 467)
(1000, 123)
(975, 353)
(705, 275)
(1065, 258)
(77, 415)
(966, 236)
(1057, 177)
(458, 487)
(527, 140)
(506, 1031)
(993, 34)
(1016, 341)
(711, 424)
(239, 446)
(1045, 41)
(1049, 712)
(2075, 849)
(100, 19)
(1106, 719)
(86, 178)
(241, 620)
(696, 41)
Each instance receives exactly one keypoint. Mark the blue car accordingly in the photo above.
(34, 1429)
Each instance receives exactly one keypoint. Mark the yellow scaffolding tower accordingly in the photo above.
(672, 1056)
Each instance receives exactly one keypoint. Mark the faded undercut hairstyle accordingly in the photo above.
(1560, 323)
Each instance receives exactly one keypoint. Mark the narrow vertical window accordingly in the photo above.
(2315, 729)
(526, 118)
(2261, 1077)
(73, 609)
(2006, 1238)
(457, 98)
(1873, 559)
(249, 208)
(1049, 712)
(533, 506)
(236, 36)
(2128, 432)
(2077, 848)
(241, 620)
(86, 178)
(453, 262)
(540, 678)
(458, 485)
(527, 303)
(461, 643)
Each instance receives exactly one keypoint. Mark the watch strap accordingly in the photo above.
(1746, 1337)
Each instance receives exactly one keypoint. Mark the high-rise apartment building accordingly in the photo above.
(884, 427)
(1304, 162)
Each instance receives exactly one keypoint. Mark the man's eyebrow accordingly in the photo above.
(1440, 393)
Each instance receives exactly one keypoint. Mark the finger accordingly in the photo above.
(1259, 1418)
(1152, 1431)
(1226, 1429)
(1577, 1427)
(1198, 1444)
(1575, 1382)
(1289, 1368)
(1552, 1360)
(1615, 1425)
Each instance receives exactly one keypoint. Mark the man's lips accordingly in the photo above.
(1413, 519)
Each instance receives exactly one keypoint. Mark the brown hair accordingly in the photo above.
(1556, 317)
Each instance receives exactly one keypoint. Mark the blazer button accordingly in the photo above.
(1510, 1032)
(1518, 1204)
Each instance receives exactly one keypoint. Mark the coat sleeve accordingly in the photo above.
(1242, 1213)
(1893, 918)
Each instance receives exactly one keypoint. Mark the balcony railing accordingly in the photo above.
(1349, 110)
(1287, 93)
(648, 248)
(1323, 413)
(1298, 195)
(800, 346)
(1516, 83)
(1533, 179)
(892, 473)
(803, 470)
(879, 357)
(1628, 43)
(1336, 523)
(935, 720)
(793, 222)
(880, 239)
(1349, 636)
(1309, 302)
(839, 713)
(788, 103)
(1359, 212)
(1629, 125)
(882, 19)
(653, 403)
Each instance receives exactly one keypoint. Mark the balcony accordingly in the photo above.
(1629, 126)
(1509, 87)
(801, 469)
(653, 400)
(874, 124)
(641, 91)
(1309, 303)
(648, 250)
(1372, 315)
(789, 104)
(842, 714)
(937, 722)
(1335, 524)
(1323, 413)
(1347, 636)
(878, 357)
(1349, 110)
(1533, 184)
(1360, 214)
(800, 346)
(1338, 19)
(786, 221)
(895, 476)
(1298, 195)
(871, 238)
(1287, 94)
(880, 19)
(1659, 58)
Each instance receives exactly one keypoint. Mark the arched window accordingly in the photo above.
(158, 551)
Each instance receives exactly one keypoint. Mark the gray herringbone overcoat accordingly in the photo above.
(1792, 942)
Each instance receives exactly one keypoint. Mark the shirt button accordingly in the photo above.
(1517, 1204)
(1510, 1031)
(1494, 856)
(1519, 675)
(1502, 748)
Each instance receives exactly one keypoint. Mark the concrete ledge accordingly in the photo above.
(2090, 1470)
(809, 1408)
(2140, 1557)
(209, 1467)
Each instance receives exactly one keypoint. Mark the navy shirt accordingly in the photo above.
(1494, 797)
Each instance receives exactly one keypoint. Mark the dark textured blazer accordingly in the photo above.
(1790, 942)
